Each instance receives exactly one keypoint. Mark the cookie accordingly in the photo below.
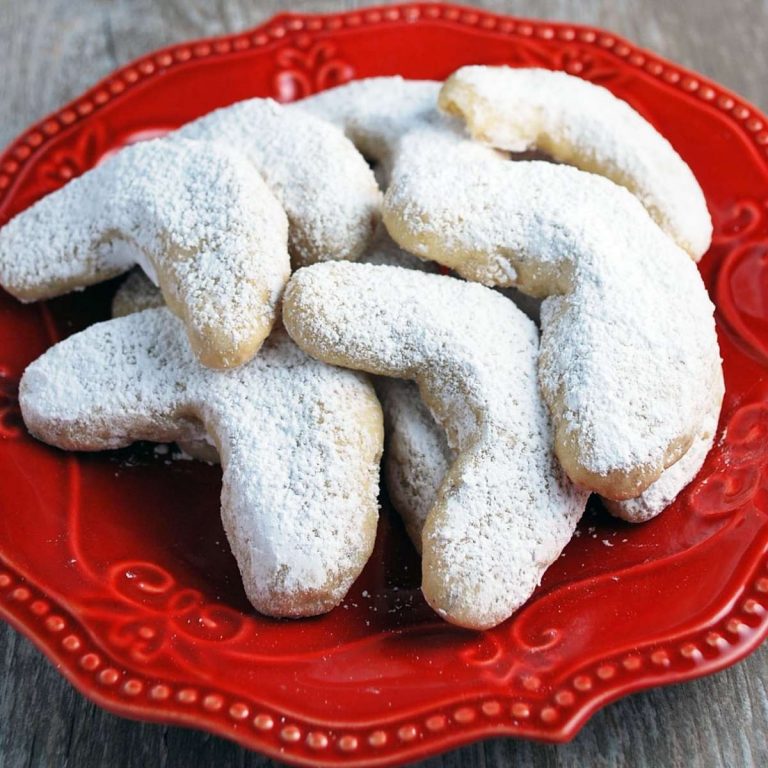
(197, 217)
(505, 510)
(629, 360)
(299, 441)
(585, 125)
(395, 122)
(416, 457)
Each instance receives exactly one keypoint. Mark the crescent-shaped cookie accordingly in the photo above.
(196, 216)
(505, 510)
(629, 361)
(585, 125)
(299, 441)
(417, 455)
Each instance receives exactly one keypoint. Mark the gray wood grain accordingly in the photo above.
(50, 51)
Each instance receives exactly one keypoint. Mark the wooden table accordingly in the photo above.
(51, 50)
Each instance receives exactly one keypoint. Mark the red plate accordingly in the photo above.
(116, 564)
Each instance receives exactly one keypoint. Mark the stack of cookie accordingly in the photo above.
(498, 426)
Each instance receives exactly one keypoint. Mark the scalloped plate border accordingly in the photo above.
(741, 627)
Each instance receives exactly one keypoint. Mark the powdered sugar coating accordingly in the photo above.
(299, 442)
(629, 357)
(384, 251)
(417, 455)
(659, 495)
(585, 125)
(505, 509)
(204, 220)
(327, 189)
(375, 113)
